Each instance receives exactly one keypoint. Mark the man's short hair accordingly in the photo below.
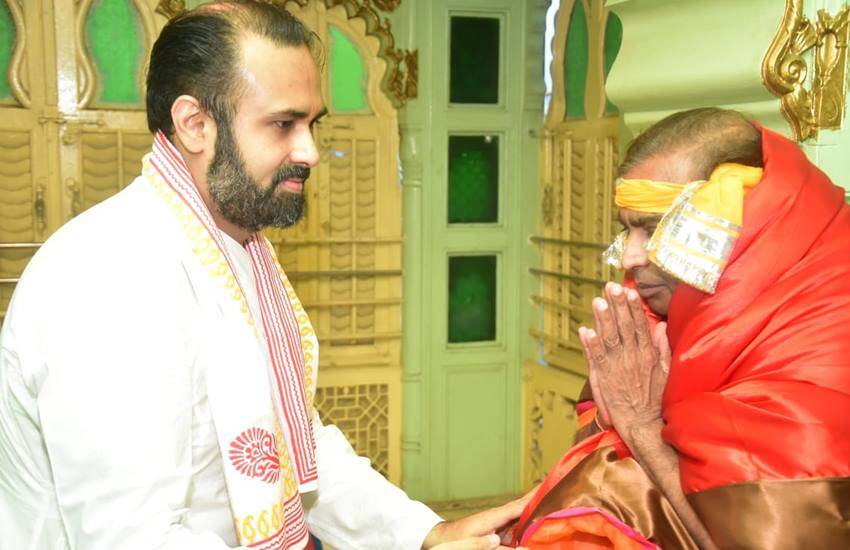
(198, 53)
(699, 140)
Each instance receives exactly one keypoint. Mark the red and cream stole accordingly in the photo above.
(261, 397)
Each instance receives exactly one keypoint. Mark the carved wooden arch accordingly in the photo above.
(87, 71)
(401, 78)
(20, 90)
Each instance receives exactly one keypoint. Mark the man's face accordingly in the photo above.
(653, 284)
(263, 157)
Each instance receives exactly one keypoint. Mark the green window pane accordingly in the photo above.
(613, 41)
(347, 74)
(575, 62)
(7, 44)
(473, 179)
(114, 35)
(472, 298)
(474, 61)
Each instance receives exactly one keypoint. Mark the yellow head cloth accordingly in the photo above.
(722, 196)
(699, 225)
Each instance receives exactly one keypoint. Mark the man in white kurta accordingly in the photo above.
(157, 371)
(107, 440)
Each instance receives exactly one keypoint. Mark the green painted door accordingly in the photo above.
(467, 228)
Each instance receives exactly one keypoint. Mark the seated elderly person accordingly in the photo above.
(720, 370)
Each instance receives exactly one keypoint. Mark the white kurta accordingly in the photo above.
(106, 435)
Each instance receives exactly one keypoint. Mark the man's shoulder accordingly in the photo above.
(128, 223)
(124, 238)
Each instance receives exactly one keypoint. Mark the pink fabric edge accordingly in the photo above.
(587, 510)
(584, 406)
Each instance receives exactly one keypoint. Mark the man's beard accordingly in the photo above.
(240, 199)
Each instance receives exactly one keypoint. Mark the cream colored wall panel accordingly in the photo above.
(680, 54)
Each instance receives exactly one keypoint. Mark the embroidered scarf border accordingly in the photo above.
(290, 350)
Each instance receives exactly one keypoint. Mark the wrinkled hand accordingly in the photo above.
(628, 365)
(476, 531)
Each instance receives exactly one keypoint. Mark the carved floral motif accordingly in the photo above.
(402, 77)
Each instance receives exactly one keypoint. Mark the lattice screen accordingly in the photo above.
(362, 413)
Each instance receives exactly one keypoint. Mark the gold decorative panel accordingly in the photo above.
(19, 211)
(785, 69)
(109, 160)
(352, 214)
(22, 210)
(400, 80)
(578, 159)
(550, 419)
(577, 213)
(345, 257)
(401, 76)
(361, 412)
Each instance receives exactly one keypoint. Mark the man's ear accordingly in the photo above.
(193, 127)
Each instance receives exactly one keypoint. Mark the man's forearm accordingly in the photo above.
(662, 464)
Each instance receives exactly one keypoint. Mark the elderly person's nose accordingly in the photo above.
(635, 254)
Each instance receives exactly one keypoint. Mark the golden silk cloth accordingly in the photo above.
(757, 404)
(599, 497)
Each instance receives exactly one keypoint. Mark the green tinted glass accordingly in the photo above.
(575, 62)
(472, 298)
(347, 74)
(473, 179)
(613, 41)
(114, 35)
(474, 62)
(7, 43)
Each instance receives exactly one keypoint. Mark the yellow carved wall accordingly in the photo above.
(60, 151)
(578, 156)
(345, 257)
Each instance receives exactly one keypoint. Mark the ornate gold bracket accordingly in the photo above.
(401, 81)
(784, 69)
(170, 8)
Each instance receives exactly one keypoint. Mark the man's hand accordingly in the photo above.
(472, 531)
(628, 373)
(628, 366)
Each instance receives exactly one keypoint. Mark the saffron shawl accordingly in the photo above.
(757, 404)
